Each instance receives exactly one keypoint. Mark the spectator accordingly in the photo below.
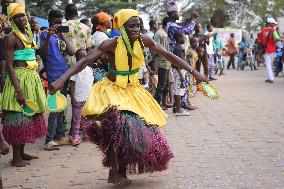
(101, 23)
(218, 45)
(80, 86)
(163, 65)
(153, 28)
(242, 45)
(87, 22)
(267, 37)
(232, 49)
(179, 75)
(172, 26)
(202, 44)
(53, 47)
(35, 29)
(210, 51)
(79, 34)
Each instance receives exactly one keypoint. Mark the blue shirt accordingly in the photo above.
(218, 44)
(55, 64)
(114, 33)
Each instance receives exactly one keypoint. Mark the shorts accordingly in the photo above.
(177, 90)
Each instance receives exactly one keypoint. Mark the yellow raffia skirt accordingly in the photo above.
(133, 98)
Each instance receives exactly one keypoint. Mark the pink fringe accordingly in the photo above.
(26, 132)
(139, 147)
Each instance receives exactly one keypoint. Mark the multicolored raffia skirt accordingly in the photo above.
(21, 129)
(138, 147)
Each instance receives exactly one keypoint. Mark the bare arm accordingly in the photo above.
(159, 49)
(9, 52)
(88, 60)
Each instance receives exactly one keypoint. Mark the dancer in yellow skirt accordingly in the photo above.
(126, 117)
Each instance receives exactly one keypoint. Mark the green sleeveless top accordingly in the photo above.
(26, 54)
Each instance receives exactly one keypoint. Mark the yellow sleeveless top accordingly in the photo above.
(121, 62)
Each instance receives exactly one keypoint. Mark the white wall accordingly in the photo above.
(281, 24)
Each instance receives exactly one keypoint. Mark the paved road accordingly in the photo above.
(234, 142)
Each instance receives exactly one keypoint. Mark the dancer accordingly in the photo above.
(126, 118)
(23, 85)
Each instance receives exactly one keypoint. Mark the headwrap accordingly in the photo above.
(15, 8)
(119, 19)
(12, 10)
(171, 6)
(102, 17)
(122, 16)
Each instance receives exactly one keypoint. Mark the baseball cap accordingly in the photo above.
(271, 21)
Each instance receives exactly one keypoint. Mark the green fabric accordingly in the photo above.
(275, 35)
(27, 54)
(31, 85)
(123, 73)
(127, 42)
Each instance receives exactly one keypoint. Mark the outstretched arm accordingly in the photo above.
(159, 49)
(79, 66)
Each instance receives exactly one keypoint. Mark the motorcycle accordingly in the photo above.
(248, 59)
(219, 62)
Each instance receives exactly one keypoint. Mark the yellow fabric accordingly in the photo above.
(15, 8)
(121, 62)
(33, 65)
(133, 98)
(60, 102)
(125, 93)
(122, 16)
(31, 105)
(12, 10)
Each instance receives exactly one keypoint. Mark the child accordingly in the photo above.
(192, 57)
(80, 86)
(179, 75)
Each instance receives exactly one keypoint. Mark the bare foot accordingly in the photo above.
(19, 163)
(4, 148)
(28, 157)
(118, 180)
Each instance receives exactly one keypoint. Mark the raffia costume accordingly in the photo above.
(18, 127)
(127, 116)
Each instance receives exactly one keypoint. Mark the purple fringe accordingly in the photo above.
(138, 146)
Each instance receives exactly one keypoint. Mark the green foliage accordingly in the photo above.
(246, 14)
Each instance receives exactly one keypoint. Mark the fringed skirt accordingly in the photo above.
(138, 146)
(21, 129)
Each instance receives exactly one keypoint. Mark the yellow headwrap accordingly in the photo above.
(122, 16)
(15, 8)
(12, 10)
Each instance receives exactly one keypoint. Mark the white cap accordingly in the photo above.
(271, 21)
